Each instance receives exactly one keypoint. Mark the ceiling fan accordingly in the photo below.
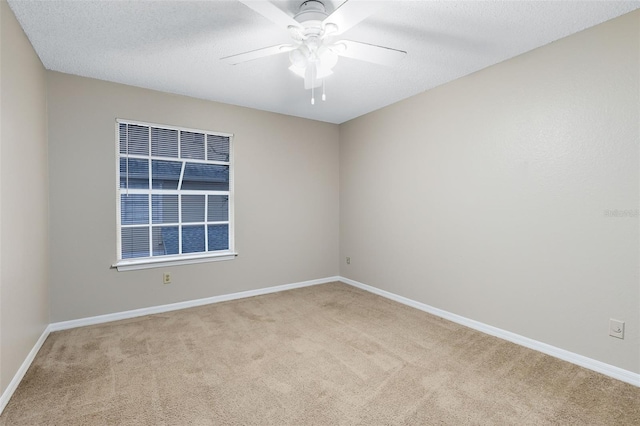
(314, 51)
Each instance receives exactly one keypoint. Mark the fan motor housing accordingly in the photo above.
(312, 13)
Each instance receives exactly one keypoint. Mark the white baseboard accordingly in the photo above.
(17, 378)
(583, 361)
(64, 325)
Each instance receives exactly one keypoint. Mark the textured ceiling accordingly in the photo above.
(176, 46)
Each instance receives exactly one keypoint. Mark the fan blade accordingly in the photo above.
(350, 13)
(370, 52)
(257, 54)
(271, 12)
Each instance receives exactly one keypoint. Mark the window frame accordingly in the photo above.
(178, 259)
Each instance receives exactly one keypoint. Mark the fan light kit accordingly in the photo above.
(314, 53)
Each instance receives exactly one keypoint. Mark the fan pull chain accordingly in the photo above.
(324, 96)
(313, 84)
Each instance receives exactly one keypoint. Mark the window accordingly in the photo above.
(175, 195)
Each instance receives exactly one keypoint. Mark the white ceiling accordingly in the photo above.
(175, 46)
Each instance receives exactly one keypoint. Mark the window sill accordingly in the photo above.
(158, 262)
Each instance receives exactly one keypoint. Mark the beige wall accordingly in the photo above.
(286, 189)
(24, 242)
(486, 197)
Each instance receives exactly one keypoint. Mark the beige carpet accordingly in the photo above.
(322, 355)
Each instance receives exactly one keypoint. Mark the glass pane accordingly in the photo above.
(207, 177)
(137, 172)
(134, 209)
(135, 242)
(192, 145)
(165, 240)
(134, 139)
(164, 208)
(217, 148)
(192, 208)
(165, 174)
(164, 142)
(218, 208)
(218, 236)
(193, 239)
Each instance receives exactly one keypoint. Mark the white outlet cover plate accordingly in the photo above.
(616, 328)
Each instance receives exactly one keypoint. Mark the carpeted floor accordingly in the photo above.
(324, 355)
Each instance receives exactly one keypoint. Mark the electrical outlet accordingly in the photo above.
(166, 278)
(616, 328)
(348, 261)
